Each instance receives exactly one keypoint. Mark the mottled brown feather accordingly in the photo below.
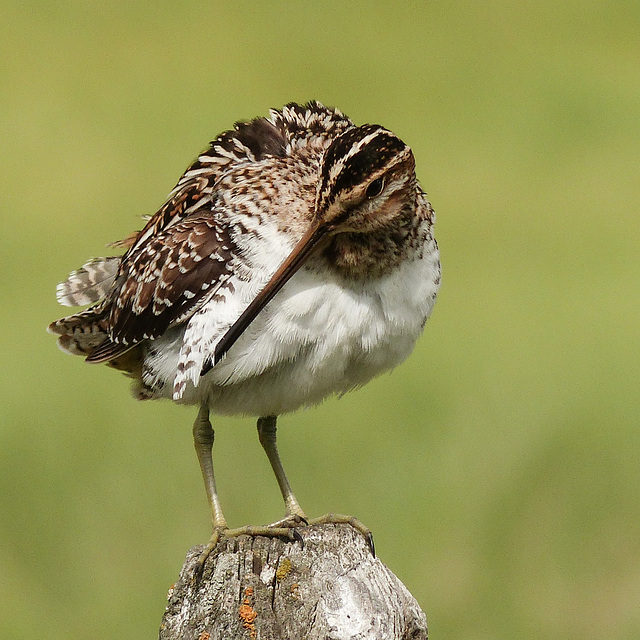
(185, 252)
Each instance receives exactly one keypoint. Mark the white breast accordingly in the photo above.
(317, 337)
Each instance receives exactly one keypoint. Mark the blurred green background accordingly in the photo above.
(499, 468)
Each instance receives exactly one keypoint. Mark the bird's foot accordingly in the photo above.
(285, 528)
(338, 518)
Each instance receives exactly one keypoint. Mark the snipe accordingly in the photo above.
(295, 259)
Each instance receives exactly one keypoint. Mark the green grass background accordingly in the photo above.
(499, 467)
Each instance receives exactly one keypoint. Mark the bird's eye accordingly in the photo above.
(375, 188)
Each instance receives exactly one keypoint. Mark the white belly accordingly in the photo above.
(317, 337)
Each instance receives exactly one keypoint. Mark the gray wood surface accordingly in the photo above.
(273, 589)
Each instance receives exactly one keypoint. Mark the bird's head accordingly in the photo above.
(367, 178)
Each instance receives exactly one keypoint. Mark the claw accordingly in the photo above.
(298, 536)
(369, 539)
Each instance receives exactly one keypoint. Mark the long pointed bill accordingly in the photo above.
(293, 262)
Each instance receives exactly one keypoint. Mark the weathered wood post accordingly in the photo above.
(273, 589)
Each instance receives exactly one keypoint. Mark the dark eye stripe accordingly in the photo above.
(345, 142)
(356, 159)
(371, 158)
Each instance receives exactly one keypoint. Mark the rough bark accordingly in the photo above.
(273, 589)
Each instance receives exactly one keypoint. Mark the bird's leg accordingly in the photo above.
(267, 436)
(295, 515)
(203, 436)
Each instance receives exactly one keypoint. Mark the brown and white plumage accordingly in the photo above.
(152, 287)
(294, 259)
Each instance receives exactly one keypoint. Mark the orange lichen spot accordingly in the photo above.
(248, 614)
(205, 635)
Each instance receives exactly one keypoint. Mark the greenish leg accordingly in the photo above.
(295, 515)
(203, 437)
(267, 436)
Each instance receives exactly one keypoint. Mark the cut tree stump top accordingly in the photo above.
(274, 589)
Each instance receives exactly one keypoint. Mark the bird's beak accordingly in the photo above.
(293, 262)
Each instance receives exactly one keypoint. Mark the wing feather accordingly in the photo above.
(186, 251)
(169, 277)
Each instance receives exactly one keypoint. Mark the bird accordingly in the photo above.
(294, 260)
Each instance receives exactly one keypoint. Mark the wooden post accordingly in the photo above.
(273, 589)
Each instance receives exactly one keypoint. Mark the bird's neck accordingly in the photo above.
(360, 256)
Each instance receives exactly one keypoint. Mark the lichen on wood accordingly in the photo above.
(332, 588)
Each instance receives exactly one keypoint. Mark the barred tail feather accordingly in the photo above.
(80, 333)
(89, 283)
